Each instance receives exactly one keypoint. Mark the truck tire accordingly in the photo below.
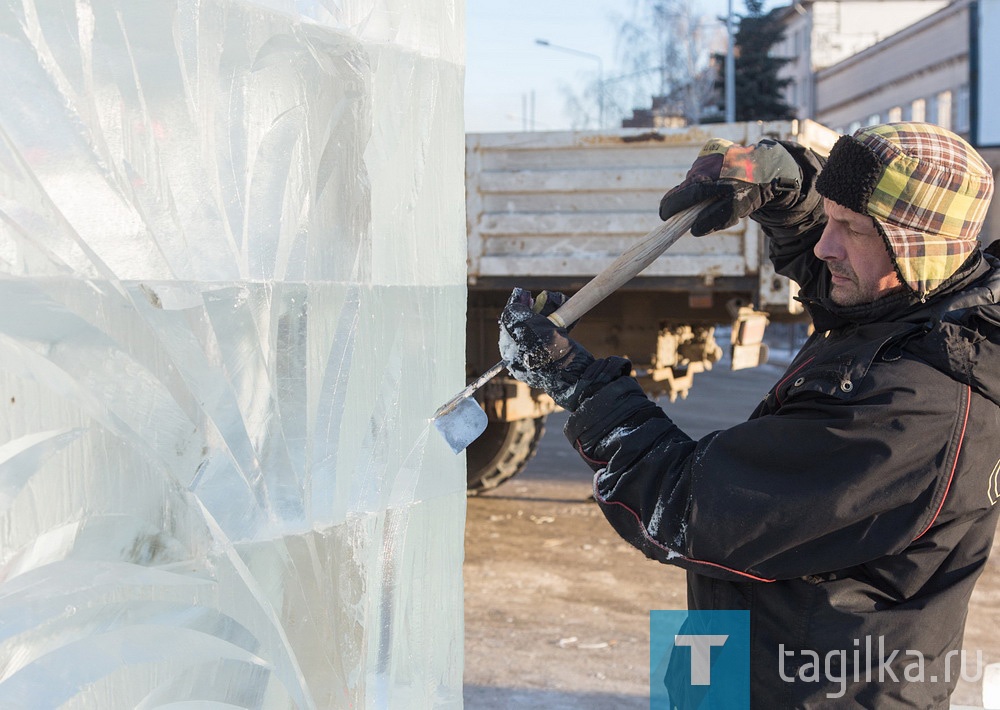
(501, 452)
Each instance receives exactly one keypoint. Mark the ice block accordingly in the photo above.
(232, 268)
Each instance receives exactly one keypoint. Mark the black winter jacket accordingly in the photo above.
(855, 507)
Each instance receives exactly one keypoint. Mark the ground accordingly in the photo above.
(557, 606)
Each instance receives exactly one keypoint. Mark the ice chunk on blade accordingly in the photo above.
(461, 423)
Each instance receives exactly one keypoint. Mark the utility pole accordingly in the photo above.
(730, 68)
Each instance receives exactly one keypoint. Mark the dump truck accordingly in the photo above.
(550, 210)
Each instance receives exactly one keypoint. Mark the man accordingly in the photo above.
(856, 507)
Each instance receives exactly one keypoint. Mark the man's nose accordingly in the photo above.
(828, 246)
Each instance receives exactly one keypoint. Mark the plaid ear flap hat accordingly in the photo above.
(926, 189)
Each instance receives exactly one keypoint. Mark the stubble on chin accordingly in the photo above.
(846, 296)
(846, 293)
(853, 294)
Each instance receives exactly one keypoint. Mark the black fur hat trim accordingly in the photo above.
(850, 175)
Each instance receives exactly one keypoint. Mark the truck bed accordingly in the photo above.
(558, 206)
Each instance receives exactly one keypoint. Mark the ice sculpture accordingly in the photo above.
(231, 296)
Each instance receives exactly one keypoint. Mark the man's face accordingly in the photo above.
(860, 267)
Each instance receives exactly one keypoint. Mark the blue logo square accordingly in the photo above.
(699, 659)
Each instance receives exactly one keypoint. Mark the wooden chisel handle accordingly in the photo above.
(635, 259)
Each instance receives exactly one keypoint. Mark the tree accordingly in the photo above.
(664, 59)
(671, 41)
(758, 88)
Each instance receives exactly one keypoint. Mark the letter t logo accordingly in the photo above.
(701, 655)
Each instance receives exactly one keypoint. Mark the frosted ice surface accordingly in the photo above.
(232, 268)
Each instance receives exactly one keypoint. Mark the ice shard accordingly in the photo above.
(231, 297)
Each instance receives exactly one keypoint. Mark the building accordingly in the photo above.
(823, 33)
(922, 72)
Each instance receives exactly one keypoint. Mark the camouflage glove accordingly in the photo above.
(539, 353)
(740, 180)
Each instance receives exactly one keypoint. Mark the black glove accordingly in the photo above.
(740, 180)
(539, 353)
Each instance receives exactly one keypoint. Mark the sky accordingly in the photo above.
(506, 70)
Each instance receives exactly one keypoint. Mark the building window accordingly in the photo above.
(962, 109)
(895, 114)
(855, 125)
(873, 119)
(943, 100)
(918, 110)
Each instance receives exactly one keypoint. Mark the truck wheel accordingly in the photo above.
(501, 452)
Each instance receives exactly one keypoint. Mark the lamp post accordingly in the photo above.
(600, 72)
(730, 69)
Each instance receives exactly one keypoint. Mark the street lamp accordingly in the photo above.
(600, 72)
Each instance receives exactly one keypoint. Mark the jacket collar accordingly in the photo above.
(898, 305)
